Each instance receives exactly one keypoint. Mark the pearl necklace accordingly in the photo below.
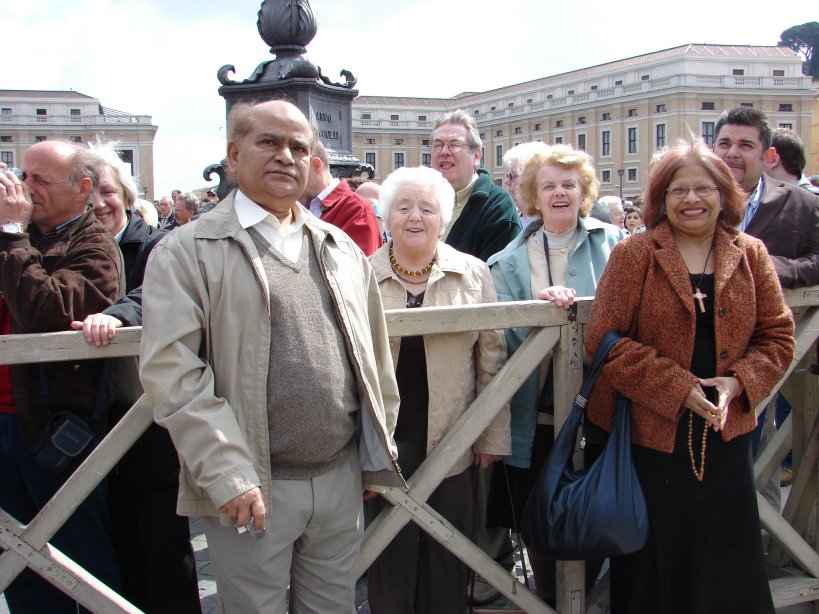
(401, 270)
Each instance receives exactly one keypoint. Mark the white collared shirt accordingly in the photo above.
(315, 204)
(286, 240)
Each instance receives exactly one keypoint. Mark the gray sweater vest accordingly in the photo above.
(312, 393)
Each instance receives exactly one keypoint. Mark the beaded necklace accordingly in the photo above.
(401, 270)
(698, 473)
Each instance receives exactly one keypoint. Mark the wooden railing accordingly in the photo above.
(792, 555)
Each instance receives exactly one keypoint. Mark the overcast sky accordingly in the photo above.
(160, 57)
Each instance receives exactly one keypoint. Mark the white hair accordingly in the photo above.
(519, 154)
(106, 153)
(418, 176)
(610, 201)
(146, 211)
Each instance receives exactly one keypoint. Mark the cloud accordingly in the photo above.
(159, 57)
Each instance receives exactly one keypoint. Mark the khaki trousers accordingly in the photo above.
(312, 541)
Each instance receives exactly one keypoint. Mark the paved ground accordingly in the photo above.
(207, 583)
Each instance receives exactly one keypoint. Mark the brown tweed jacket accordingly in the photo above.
(645, 294)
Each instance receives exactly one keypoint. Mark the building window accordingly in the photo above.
(570, 93)
(76, 115)
(394, 118)
(398, 141)
(498, 155)
(708, 133)
(644, 77)
(528, 101)
(426, 159)
(660, 108)
(498, 132)
(425, 142)
(593, 88)
(581, 119)
(7, 157)
(482, 135)
(606, 148)
(538, 127)
(422, 118)
(606, 117)
(5, 139)
(518, 130)
(660, 141)
(787, 107)
(605, 176)
(40, 139)
(475, 112)
(549, 96)
(42, 116)
(581, 142)
(778, 73)
(632, 175)
(492, 108)
(632, 112)
(632, 140)
(483, 156)
(559, 123)
(748, 105)
(707, 106)
(369, 158)
(75, 139)
(618, 82)
(558, 140)
(738, 72)
(787, 126)
(510, 105)
(5, 111)
(397, 160)
(369, 141)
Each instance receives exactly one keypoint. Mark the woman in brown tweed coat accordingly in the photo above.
(708, 335)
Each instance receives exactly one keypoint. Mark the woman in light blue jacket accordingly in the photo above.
(555, 260)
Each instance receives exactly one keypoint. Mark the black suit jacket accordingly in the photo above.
(787, 222)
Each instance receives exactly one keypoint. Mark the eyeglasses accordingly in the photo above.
(702, 191)
(453, 146)
(512, 176)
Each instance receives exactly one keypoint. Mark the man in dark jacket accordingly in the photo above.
(152, 542)
(57, 264)
(485, 219)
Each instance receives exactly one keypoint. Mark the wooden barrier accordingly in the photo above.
(553, 329)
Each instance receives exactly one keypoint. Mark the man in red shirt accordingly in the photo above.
(332, 200)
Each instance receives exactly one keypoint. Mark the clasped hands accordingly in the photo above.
(728, 388)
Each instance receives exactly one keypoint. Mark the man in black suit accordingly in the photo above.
(784, 216)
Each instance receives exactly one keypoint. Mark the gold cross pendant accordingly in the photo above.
(698, 295)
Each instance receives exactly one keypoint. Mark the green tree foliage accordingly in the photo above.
(804, 39)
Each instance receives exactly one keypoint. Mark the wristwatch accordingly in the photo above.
(13, 227)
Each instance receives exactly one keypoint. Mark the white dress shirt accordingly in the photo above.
(286, 240)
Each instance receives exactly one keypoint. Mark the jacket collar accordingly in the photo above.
(447, 260)
(727, 256)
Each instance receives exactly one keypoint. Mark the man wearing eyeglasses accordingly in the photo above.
(783, 216)
(485, 219)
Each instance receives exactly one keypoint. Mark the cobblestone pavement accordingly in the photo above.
(207, 582)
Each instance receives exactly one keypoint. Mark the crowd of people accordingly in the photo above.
(281, 404)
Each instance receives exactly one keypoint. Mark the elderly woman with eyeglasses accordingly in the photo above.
(438, 377)
(702, 313)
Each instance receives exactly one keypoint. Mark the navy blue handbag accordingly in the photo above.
(588, 513)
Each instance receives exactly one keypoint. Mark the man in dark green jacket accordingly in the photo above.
(484, 220)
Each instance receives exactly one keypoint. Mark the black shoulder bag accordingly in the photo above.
(65, 439)
(595, 512)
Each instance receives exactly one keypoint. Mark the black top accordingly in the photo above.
(413, 385)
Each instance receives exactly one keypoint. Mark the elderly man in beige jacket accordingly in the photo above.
(265, 352)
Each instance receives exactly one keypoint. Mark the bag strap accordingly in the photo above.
(600, 356)
(97, 413)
